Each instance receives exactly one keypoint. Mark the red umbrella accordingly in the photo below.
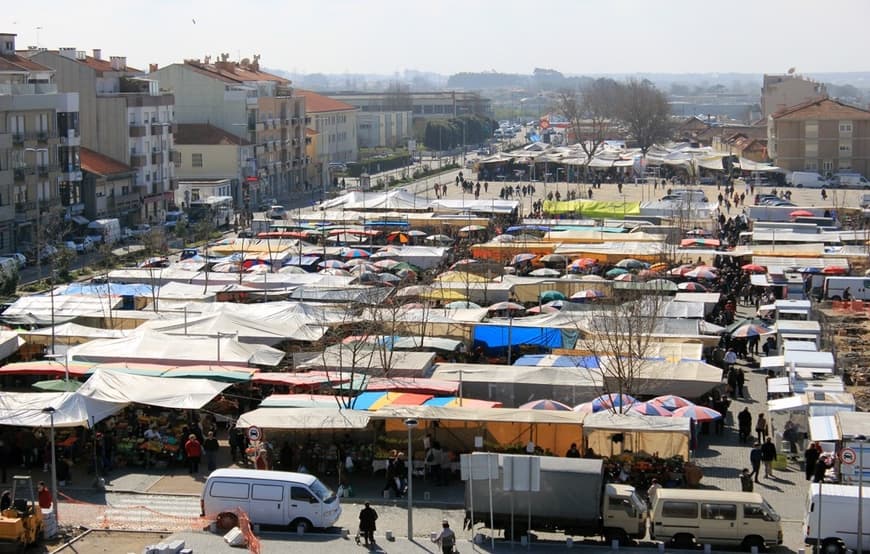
(650, 408)
(672, 402)
(505, 306)
(801, 213)
(698, 413)
(753, 268)
(546, 404)
(834, 270)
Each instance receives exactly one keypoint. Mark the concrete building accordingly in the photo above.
(109, 188)
(422, 105)
(336, 124)
(779, 92)
(39, 149)
(384, 129)
(821, 135)
(261, 108)
(124, 116)
(209, 154)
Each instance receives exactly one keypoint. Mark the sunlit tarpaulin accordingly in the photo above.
(593, 208)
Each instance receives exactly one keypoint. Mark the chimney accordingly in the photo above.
(98, 54)
(119, 63)
(7, 44)
(81, 55)
(69, 53)
(152, 67)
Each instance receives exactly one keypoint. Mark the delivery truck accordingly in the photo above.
(832, 517)
(573, 498)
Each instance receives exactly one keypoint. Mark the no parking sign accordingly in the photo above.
(848, 456)
(255, 433)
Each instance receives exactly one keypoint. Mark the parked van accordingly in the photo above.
(806, 179)
(271, 497)
(859, 288)
(688, 517)
(850, 181)
(105, 231)
(832, 517)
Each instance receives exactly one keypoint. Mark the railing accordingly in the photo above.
(138, 160)
(157, 158)
(137, 131)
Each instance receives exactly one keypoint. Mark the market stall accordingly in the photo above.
(609, 434)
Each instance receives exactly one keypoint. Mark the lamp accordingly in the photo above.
(410, 423)
(50, 411)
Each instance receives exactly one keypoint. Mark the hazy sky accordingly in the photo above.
(449, 36)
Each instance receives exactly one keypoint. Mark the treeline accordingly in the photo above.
(444, 134)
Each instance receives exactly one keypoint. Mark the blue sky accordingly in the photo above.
(449, 36)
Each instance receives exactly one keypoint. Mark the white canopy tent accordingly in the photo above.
(25, 409)
(123, 388)
(248, 331)
(308, 418)
(71, 333)
(666, 436)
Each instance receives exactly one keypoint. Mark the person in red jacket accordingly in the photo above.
(44, 495)
(193, 450)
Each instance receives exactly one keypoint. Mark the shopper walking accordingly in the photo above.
(367, 518)
(768, 455)
(211, 446)
(755, 460)
(193, 450)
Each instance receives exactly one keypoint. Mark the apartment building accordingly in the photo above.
(335, 123)
(821, 135)
(109, 188)
(256, 106)
(779, 92)
(125, 117)
(210, 157)
(384, 129)
(422, 105)
(39, 149)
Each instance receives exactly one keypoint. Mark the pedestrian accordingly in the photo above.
(446, 538)
(755, 460)
(367, 518)
(847, 294)
(572, 451)
(744, 425)
(746, 484)
(44, 495)
(741, 380)
(821, 468)
(211, 446)
(730, 356)
(193, 450)
(761, 427)
(768, 455)
(653, 489)
(811, 458)
(5, 500)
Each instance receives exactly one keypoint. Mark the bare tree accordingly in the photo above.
(589, 114)
(154, 244)
(620, 338)
(644, 111)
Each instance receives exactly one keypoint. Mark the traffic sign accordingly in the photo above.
(254, 433)
(848, 456)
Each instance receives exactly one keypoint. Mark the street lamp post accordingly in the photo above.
(56, 357)
(221, 335)
(50, 411)
(410, 424)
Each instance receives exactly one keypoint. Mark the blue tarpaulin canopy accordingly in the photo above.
(112, 289)
(543, 360)
(304, 260)
(495, 337)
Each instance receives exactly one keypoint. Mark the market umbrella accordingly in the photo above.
(414, 290)
(692, 287)
(694, 241)
(334, 271)
(584, 408)
(615, 271)
(398, 236)
(471, 228)
(698, 413)
(698, 232)
(555, 259)
(550, 295)
(592, 278)
(416, 233)
(681, 270)
(701, 273)
(406, 273)
(586, 294)
(650, 408)
(547, 308)
(57, 385)
(504, 238)
(439, 239)
(834, 270)
(801, 213)
(360, 262)
(584, 262)
(627, 278)
(661, 285)
(386, 264)
(613, 400)
(631, 263)
(671, 401)
(444, 294)
(465, 261)
(753, 268)
(645, 274)
(750, 329)
(461, 305)
(405, 265)
(505, 306)
(545, 272)
(355, 253)
(659, 267)
(291, 269)
(546, 404)
(389, 278)
(524, 257)
(332, 264)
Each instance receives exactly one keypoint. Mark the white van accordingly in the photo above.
(688, 517)
(832, 517)
(850, 181)
(806, 179)
(859, 287)
(271, 497)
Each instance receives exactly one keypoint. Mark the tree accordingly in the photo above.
(397, 98)
(589, 114)
(644, 111)
(621, 338)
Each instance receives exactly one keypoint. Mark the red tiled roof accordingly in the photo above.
(98, 164)
(102, 65)
(238, 74)
(205, 133)
(14, 62)
(318, 103)
(822, 106)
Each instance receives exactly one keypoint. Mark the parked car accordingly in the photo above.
(83, 244)
(276, 212)
(173, 218)
(140, 229)
(19, 258)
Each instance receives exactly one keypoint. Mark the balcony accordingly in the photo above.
(42, 137)
(138, 160)
(71, 138)
(137, 131)
(157, 158)
(122, 202)
(158, 128)
(175, 157)
(18, 139)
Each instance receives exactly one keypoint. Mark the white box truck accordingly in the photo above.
(806, 179)
(832, 517)
(573, 498)
(859, 288)
(105, 231)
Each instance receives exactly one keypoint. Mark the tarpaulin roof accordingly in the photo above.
(108, 289)
(302, 401)
(494, 337)
(294, 379)
(477, 206)
(309, 418)
(71, 409)
(10, 342)
(419, 385)
(593, 208)
(456, 402)
(247, 329)
(187, 394)
(68, 333)
(666, 436)
(479, 414)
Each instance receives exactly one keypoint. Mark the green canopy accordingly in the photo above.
(551, 295)
(57, 385)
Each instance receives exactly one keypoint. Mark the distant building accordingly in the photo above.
(244, 101)
(39, 148)
(422, 105)
(109, 188)
(779, 92)
(335, 123)
(821, 135)
(384, 129)
(208, 154)
(124, 116)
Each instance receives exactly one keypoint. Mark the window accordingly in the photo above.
(846, 148)
(681, 510)
(16, 124)
(845, 127)
(727, 512)
(827, 165)
(811, 149)
(811, 129)
(196, 160)
(754, 511)
(811, 165)
(845, 163)
(298, 493)
(42, 122)
(267, 492)
(222, 489)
